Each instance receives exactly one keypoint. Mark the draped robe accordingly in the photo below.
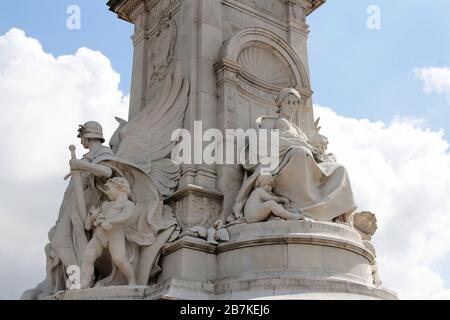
(312, 182)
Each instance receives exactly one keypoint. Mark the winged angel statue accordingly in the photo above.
(139, 153)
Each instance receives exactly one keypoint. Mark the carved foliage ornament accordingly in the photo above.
(204, 211)
(163, 48)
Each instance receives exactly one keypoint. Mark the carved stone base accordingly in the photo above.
(271, 260)
(196, 206)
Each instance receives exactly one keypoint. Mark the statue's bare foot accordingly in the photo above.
(296, 216)
(211, 237)
(294, 210)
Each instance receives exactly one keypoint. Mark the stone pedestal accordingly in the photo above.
(271, 260)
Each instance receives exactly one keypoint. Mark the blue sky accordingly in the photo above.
(361, 73)
(370, 73)
(100, 30)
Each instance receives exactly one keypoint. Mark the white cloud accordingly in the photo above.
(400, 172)
(43, 100)
(436, 80)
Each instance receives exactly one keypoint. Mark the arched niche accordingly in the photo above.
(254, 65)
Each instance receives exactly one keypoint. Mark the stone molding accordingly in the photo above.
(173, 289)
(203, 246)
(130, 10)
(278, 13)
(308, 5)
(125, 9)
(322, 234)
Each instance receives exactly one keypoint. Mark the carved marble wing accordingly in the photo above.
(146, 141)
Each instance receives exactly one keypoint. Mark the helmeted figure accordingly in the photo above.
(91, 130)
(142, 147)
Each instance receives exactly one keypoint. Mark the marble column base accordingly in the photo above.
(272, 260)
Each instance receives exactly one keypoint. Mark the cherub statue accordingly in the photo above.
(319, 144)
(109, 231)
(366, 224)
(262, 203)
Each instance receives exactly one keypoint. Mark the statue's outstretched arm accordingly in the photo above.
(97, 170)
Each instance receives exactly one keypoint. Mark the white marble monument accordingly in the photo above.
(140, 226)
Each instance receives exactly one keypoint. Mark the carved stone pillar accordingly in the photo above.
(237, 55)
(189, 33)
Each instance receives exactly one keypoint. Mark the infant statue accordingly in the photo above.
(262, 203)
(108, 223)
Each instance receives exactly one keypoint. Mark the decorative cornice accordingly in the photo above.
(308, 5)
(124, 8)
(226, 64)
(197, 190)
(314, 5)
(189, 243)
